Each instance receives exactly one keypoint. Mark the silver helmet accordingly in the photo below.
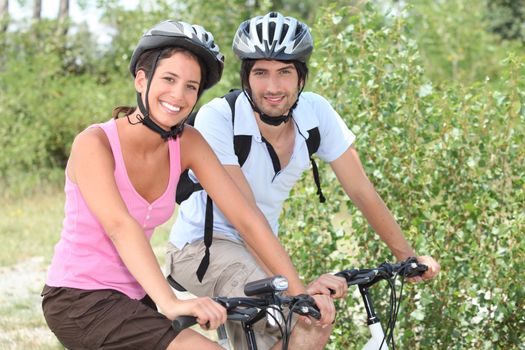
(273, 36)
(191, 37)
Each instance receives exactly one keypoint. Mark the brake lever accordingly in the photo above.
(309, 310)
(306, 306)
(414, 270)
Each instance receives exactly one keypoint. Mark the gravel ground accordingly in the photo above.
(21, 314)
(19, 282)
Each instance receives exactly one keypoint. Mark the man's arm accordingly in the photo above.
(359, 188)
(351, 175)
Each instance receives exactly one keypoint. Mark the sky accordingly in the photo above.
(90, 14)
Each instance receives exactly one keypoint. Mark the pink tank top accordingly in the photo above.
(85, 257)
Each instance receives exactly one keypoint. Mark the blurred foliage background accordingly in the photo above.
(434, 91)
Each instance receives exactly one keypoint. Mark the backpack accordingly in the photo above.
(242, 145)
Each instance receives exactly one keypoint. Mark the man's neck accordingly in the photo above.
(274, 132)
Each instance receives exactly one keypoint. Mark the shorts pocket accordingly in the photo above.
(90, 311)
(182, 260)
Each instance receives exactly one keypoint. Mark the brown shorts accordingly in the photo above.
(104, 319)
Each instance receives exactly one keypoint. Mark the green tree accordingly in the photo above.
(453, 40)
(506, 18)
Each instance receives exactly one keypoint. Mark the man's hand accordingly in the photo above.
(433, 269)
(327, 284)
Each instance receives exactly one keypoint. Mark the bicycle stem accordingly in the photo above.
(369, 307)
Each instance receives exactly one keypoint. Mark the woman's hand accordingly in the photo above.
(209, 314)
(326, 307)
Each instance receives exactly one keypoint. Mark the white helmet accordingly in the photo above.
(273, 36)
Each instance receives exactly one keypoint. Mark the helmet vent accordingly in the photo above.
(273, 37)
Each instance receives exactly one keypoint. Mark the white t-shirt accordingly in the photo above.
(270, 189)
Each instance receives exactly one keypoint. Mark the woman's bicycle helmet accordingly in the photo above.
(193, 38)
(274, 37)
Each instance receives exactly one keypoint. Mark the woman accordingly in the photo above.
(104, 280)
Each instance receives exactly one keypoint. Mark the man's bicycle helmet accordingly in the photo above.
(273, 37)
(191, 37)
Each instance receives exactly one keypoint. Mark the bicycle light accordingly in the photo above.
(280, 283)
(266, 286)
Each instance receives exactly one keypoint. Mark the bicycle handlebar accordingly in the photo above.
(247, 308)
(368, 277)
(266, 293)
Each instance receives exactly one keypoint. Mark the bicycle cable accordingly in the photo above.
(395, 304)
(403, 277)
(279, 311)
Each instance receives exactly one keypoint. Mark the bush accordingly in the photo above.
(50, 92)
(449, 162)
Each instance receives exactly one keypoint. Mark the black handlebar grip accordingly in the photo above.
(183, 322)
(416, 271)
(314, 312)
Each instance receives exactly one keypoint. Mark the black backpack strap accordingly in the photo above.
(231, 97)
(240, 146)
(208, 237)
(191, 118)
(241, 143)
(312, 142)
(185, 187)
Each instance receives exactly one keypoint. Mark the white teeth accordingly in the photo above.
(170, 107)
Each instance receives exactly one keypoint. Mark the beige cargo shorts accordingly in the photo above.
(231, 267)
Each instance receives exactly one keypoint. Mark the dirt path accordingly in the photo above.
(20, 281)
(21, 317)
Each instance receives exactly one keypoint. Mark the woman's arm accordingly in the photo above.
(239, 179)
(238, 209)
(91, 167)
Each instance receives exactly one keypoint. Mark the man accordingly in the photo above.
(279, 119)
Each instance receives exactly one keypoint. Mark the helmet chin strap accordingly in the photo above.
(148, 122)
(267, 119)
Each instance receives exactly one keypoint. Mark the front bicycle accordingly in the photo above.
(262, 297)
